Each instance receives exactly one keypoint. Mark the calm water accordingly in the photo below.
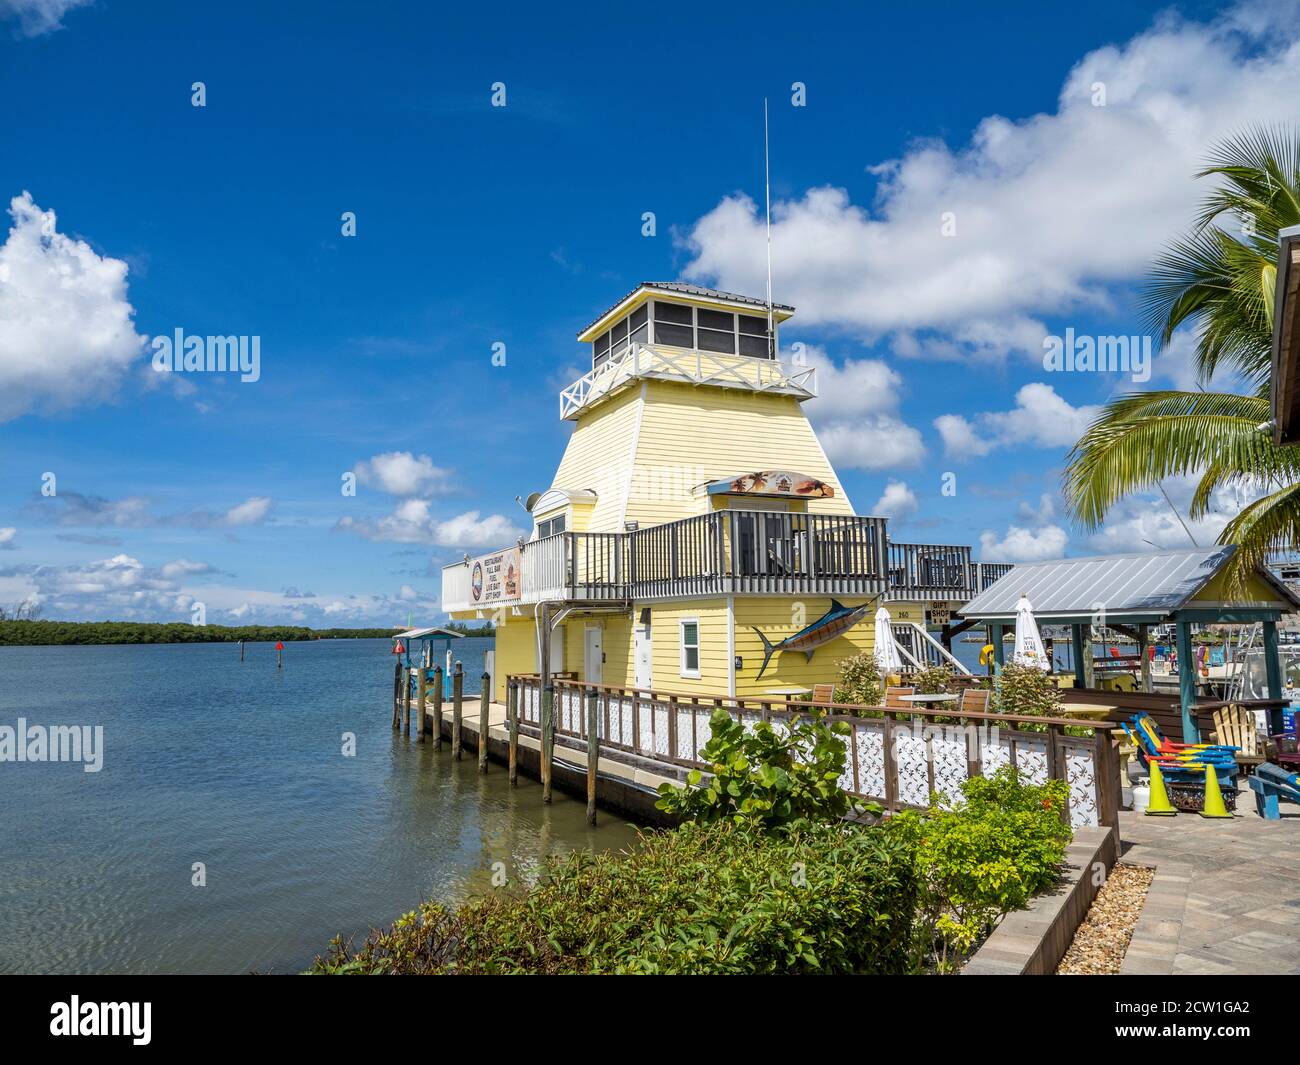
(241, 767)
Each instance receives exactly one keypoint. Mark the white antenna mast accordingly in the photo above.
(767, 191)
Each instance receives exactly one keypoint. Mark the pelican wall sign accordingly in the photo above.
(835, 622)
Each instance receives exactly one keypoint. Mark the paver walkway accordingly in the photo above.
(1226, 897)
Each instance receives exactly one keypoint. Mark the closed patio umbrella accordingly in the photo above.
(886, 650)
(1029, 645)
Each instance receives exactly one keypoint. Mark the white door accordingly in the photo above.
(641, 651)
(557, 651)
(592, 656)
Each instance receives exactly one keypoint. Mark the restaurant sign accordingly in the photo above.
(494, 578)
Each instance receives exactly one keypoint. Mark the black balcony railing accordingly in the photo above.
(741, 551)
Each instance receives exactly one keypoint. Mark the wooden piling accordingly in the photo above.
(406, 703)
(421, 726)
(512, 720)
(485, 693)
(437, 708)
(241, 650)
(548, 739)
(457, 695)
(397, 691)
(593, 751)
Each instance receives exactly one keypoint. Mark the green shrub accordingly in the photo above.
(980, 859)
(933, 680)
(1026, 691)
(710, 899)
(859, 681)
(766, 776)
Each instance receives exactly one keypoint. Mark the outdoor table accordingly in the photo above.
(940, 698)
(787, 691)
(1093, 711)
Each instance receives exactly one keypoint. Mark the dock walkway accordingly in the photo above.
(628, 786)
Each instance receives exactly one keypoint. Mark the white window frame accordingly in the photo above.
(692, 674)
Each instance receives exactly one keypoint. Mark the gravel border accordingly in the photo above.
(1102, 940)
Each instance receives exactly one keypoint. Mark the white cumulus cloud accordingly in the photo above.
(1041, 416)
(66, 330)
(1047, 212)
(400, 473)
(896, 501)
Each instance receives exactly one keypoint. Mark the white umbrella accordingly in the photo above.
(1029, 645)
(886, 650)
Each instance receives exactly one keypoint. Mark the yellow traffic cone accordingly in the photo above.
(1159, 804)
(1213, 805)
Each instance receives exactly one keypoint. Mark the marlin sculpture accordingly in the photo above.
(835, 622)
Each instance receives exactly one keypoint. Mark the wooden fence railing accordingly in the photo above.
(897, 757)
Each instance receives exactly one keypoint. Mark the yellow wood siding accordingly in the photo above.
(777, 618)
(1257, 590)
(516, 652)
(599, 457)
(666, 647)
(690, 435)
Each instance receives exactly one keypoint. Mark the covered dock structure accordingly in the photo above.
(1129, 594)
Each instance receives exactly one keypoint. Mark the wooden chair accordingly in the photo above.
(1235, 726)
(823, 693)
(974, 700)
(892, 698)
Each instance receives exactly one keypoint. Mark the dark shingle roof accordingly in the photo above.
(681, 288)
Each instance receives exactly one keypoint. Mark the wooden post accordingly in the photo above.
(1187, 682)
(512, 719)
(1273, 668)
(593, 751)
(1085, 657)
(484, 695)
(241, 650)
(397, 691)
(457, 695)
(995, 638)
(406, 703)
(1144, 639)
(421, 726)
(547, 707)
(548, 739)
(437, 708)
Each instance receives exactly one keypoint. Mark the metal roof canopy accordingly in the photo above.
(1144, 588)
(423, 634)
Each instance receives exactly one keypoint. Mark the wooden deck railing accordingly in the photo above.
(898, 757)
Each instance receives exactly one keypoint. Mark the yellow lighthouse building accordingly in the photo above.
(695, 537)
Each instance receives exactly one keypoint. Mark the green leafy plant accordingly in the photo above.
(1026, 691)
(980, 858)
(933, 680)
(702, 899)
(766, 776)
(859, 681)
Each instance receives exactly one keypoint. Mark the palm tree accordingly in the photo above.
(1221, 285)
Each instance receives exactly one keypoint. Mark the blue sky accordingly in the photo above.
(478, 224)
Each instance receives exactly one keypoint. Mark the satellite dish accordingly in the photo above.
(528, 503)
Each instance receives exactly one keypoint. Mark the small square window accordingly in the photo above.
(690, 643)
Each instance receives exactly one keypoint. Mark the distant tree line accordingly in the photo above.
(32, 632)
(466, 629)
